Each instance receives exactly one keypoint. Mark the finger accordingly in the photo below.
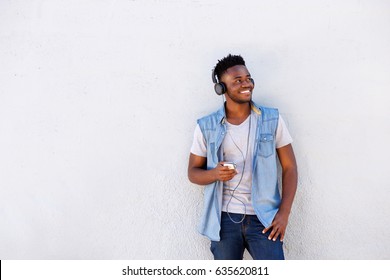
(275, 237)
(266, 229)
(228, 172)
(281, 237)
(273, 232)
(224, 173)
(227, 176)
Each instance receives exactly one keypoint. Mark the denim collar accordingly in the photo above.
(221, 114)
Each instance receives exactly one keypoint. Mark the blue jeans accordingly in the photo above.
(235, 238)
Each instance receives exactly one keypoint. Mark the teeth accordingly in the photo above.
(247, 91)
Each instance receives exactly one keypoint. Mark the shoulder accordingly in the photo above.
(211, 119)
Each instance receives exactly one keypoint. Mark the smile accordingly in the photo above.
(245, 91)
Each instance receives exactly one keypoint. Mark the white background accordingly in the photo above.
(192, 269)
(99, 100)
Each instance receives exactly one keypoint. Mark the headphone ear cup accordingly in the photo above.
(253, 81)
(220, 88)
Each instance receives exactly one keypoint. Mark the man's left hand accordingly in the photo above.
(278, 227)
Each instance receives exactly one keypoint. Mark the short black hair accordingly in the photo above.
(227, 62)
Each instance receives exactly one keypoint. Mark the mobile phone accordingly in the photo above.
(231, 165)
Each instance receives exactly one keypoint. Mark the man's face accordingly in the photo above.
(238, 83)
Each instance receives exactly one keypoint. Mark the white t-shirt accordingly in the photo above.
(237, 192)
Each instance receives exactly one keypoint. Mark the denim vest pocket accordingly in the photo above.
(266, 145)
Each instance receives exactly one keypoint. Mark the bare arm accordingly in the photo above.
(289, 187)
(198, 173)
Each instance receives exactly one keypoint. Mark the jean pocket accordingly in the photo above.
(266, 145)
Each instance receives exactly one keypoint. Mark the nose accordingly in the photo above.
(248, 83)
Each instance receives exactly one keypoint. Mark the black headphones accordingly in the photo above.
(220, 87)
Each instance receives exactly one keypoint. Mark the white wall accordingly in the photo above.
(99, 99)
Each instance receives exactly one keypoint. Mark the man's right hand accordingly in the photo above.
(198, 174)
(224, 173)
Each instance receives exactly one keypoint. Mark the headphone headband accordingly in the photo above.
(213, 76)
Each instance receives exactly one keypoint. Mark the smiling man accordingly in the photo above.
(234, 155)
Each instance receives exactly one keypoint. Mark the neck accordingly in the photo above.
(237, 113)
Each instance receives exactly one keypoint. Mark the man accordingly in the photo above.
(234, 154)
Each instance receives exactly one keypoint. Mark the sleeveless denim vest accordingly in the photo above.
(265, 192)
